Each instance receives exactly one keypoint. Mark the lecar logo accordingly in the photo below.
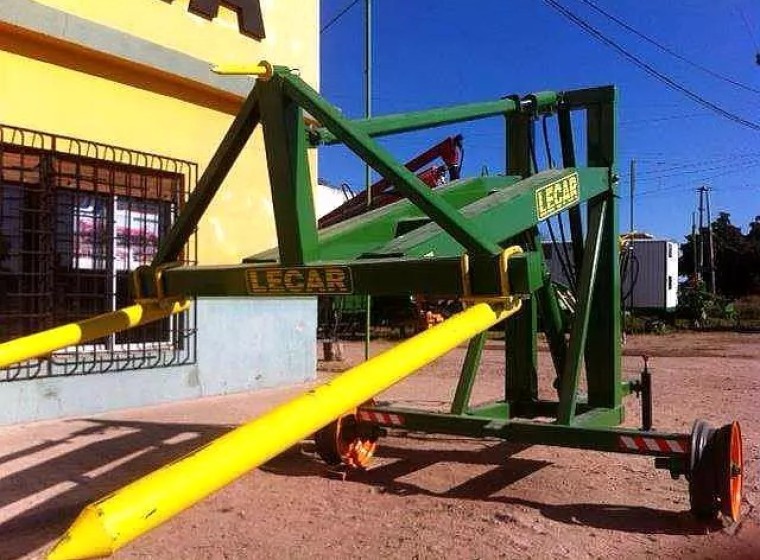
(250, 21)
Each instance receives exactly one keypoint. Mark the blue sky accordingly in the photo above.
(431, 53)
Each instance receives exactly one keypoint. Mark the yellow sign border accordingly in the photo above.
(571, 194)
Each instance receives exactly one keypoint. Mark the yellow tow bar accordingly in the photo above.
(46, 342)
(108, 524)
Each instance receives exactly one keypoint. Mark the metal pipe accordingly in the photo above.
(646, 397)
(263, 70)
(46, 342)
(367, 168)
(633, 191)
(420, 120)
(107, 525)
(226, 154)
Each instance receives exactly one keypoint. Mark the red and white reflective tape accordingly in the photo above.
(384, 418)
(644, 443)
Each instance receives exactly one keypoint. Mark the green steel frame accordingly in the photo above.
(418, 246)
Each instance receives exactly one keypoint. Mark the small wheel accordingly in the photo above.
(702, 489)
(730, 461)
(347, 441)
(716, 471)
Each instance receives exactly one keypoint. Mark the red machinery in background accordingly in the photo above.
(341, 316)
(383, 192)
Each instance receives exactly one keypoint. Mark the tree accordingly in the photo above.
(753, 239)
(737, 257)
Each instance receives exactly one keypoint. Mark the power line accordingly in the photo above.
(687, 187)
(655, 177)
(690, 183)
(688, 168)
(666, 49)
(630, 122)
(685, 161)
(583, 24)
(337, 16)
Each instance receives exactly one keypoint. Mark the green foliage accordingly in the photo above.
(748, 309)
(692, 303)
(702, 309)
(737, 257)
(644, 324)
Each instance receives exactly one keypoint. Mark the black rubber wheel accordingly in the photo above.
(347, 441)
(327, 441)
(703, 490)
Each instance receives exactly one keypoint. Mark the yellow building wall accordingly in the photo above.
(292, 29)
(43, 96)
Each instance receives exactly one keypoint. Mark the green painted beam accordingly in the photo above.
(501, 216)
(568, 160)
(363, 234)
(600, 417)
(442, 278)
(289, 176)
(432, 277)
(579, 330)
(465, 231)
(420, 120)
(469, 370)
(210, 181)
(499, 410)
(603, 359)
(583, 437)
(548, 308)
(594, 438)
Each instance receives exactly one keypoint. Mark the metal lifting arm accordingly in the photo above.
(432, 118)
(225, 156)
(107, 525)
(354, 137)
(449, 150)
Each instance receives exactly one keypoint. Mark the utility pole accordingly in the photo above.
(631, 240)
(633, 188)
(710, 243)
(701, 237)
(706, 244)
(694, 243)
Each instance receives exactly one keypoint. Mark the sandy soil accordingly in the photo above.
(426, 497)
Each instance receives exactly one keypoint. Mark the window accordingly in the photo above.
(75, 218)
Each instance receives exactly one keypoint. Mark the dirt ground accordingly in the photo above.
(426, 497)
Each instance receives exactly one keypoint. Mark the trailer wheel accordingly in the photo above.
(729, 443)
(702, 488)
(347, 441)
(716, 471)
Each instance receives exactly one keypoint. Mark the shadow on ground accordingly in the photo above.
(96, 469)
(507, 470)
(133, 449)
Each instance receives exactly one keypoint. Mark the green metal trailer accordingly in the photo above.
(459, 242)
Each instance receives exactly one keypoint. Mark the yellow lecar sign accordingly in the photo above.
(308, 281)
(557, 196)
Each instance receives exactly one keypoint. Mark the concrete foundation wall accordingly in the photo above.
(242, 345)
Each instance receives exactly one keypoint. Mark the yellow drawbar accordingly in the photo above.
(110, 523)
(46, 342)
